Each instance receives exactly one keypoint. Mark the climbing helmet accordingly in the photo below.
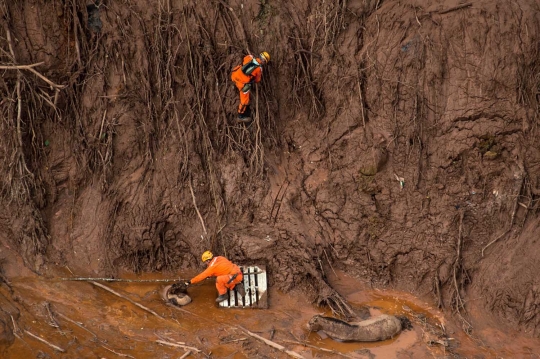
(265, 56)
(207, 255)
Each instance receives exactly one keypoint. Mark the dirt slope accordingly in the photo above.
(393, 139)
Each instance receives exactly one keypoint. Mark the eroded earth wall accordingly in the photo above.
(395, 139)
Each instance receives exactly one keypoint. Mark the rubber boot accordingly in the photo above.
(221, 298)
(245, 117)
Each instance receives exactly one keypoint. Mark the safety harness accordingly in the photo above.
(233, 278)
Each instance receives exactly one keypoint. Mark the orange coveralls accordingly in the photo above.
(240, 79)
(223, 269)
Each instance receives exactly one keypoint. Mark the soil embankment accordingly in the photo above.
(396, 140)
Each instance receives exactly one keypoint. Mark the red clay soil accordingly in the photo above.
(395, 140)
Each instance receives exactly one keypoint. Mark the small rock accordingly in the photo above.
(490, 155)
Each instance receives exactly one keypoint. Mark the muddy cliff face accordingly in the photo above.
(396, 140)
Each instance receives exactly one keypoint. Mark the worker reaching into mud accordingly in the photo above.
(244, 76)
(228, 275)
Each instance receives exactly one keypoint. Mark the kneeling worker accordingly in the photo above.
(228, 275)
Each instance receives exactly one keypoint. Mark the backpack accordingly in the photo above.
(248, 68)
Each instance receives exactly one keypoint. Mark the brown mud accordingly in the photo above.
(394, 140)
(87, 321)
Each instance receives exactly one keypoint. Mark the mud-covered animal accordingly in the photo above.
(371, 330)
(176, 294)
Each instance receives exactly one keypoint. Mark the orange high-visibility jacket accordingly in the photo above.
(218, 266)
(239, 77)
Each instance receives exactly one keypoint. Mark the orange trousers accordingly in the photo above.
(240, 80)
(221, 282)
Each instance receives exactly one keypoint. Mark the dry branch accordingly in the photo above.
(318, 348)
(273, 344)
(45, 342)
(77, 324)
(163, 342)
(126, 298)
(119, 354)
(16, 329)
(53, 321)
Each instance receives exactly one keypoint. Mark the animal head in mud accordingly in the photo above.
(314, 324)
(177, 294)
(178, 288)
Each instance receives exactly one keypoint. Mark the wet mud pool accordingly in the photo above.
(81, 319)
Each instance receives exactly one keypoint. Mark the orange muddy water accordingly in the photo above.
(90, 322)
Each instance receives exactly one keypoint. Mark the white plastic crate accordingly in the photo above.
(256, 288)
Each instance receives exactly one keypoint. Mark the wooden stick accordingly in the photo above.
(16, 329)
(53, 322)
(77, 324)
(178, 345)
(318, 348)
(186, 354)
(126, 298)
(234, 341)
(273, 345)
(119, 354)
(45, 342)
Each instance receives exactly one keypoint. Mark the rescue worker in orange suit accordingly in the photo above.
(228, 275)
(244, 76)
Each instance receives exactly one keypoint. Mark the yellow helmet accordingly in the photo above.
(207, 255)
(265, 56)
